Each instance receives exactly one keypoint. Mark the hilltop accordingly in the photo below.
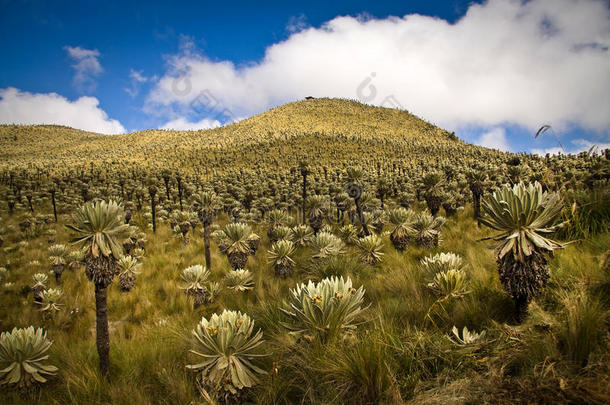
(316, 128)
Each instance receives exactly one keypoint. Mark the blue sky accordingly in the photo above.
(492, 72)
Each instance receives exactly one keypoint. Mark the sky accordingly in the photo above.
(493, 72)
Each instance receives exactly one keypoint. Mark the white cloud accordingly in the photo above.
(297, 23)
(18, 107)
(505, 61)
(552, 151)
(495, 139)
(86, 66)
(181, 124)
(137, 76)
(136, 79)
(580, 145)
(585, 144)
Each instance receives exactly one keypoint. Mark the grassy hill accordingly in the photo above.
(318, 128)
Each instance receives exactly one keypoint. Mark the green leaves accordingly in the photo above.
(23, 355)
(129, 265)
(522, 214)
(100, 228)
(445, 273)
(57, 254)
(194, 277)
(440, 262)
(323, 310)
(239, 280)
(280, 253)
(50, 300)
(326, 244)
(227, 346)
(371, 249)
(235, 238)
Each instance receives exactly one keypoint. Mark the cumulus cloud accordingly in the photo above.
(19, 107)
(181, 124)
(578, 145)
(504, 62)
(495, 139)
(86, 67)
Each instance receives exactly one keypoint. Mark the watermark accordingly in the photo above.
(353, 190)
(205, 103)
(367, 93)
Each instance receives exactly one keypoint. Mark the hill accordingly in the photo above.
(344, 132)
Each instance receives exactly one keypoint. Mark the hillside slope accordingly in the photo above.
(320, 129)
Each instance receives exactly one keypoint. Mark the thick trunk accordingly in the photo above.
(521, 304)
(304, 197)
(166, 180)
(179, 180)
(523, 280)
(283, 271)
(361, 217)
(238, 260)
(434, 204)
(206, 243)
(102, 337)
(58, 269)
(154, 221)
(477, 206)
(54, 206)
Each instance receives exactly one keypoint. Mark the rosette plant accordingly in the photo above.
(235, 240)
(433, 192)
(301, 235)
(23, 359)
(195, 276)
(39, 286)
(100, 229)
(277, 218)
(280, 256)
(317, 208)
(371, 249)
(227, 348)
(128, 269)
(427, 229)
(239, 280)
(278, 233)
(57, 257)
(524, 215)
(446, 279)
(323, 310)
(49, 300)
(325, 245)
(402, 223)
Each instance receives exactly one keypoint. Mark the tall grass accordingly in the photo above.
(585, 326)
(389, 359)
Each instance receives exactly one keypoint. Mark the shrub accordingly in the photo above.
(239, 280)
(227, 346)
(194, 277)
(279, 256)
(323, 310)
(326, 245)
(23, 355)
(370, 249)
